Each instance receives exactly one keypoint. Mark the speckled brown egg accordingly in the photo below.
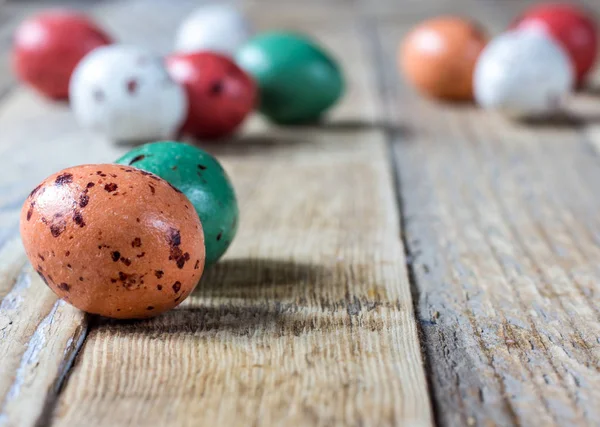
(438, 57)
(113, 240)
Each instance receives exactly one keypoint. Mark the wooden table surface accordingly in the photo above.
(406, 263)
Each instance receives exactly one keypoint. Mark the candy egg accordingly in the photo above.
(202, 179)
(439, 55)
(219, 94)
(217, 27)
(113, 240)
(48, 46)
(298, 81)
(523, 74)
(572, 27)
(126, 93)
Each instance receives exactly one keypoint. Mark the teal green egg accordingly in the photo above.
(202, 179)
(298, 81)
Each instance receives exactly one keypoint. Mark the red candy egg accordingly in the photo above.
(571, 26)
(48, 46)
(220, 94)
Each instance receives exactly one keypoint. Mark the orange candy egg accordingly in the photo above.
(438, 57)
(113, 240)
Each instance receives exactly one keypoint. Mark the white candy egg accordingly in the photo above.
(523, 73)
(216, 27)
(126, 93)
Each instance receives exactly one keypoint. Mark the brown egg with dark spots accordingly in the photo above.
(113, 240)
(438, 57)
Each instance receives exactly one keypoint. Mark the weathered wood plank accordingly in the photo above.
(40, 336)
(501, 225)
(308, 321)
(313, 332)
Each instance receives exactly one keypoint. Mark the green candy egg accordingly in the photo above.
(201, 178)
(297, 79)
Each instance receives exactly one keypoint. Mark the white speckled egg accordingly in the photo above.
(216, 27)
(523, 74)
(126, 93)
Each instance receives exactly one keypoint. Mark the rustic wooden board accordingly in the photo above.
(501, 226)
(308, 320)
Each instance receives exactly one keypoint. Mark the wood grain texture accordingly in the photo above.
(40, 336)
(500, 221)
(308, 320)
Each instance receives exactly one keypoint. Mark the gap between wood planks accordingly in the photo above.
(368, 26)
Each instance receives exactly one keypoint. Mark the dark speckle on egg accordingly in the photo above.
(132, 86)
(57, 228)
(111, 187)
(65, 178)
(78, 219)
(30, 210)
(137, 159)
(84, 199)
(35, 190)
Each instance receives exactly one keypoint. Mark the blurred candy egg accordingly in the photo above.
(217, 27)
(523, 74)
(298, 81)
(572, 27)
(219, 93)
(48, 46)
(439, 55)
(202, 179)
(113, 240)
(126, 93)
